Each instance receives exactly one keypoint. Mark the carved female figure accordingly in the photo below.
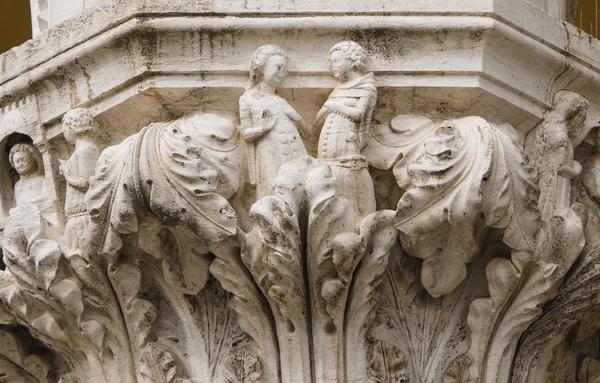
(345, 118)
(268, 122)
(78, 126)
(31, 186)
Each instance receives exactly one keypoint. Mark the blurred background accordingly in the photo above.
(588, 16)
(15, 21)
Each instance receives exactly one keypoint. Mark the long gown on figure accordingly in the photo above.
(279, 145)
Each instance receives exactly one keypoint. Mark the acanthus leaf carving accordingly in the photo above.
(431, 332)
(158, 366)
(334, 250)
(272, 253)
(178, 157)
(520, 286)
(381, 239)
(386, 363)
(497, 322)
(86, 333)
(167, 185)
(460, 176)
(172, 269)
(19, 365)
(576, 303)
(250, 307)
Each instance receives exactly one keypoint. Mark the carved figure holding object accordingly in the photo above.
(550, 146)
(268, 122)
(79, 129)
(344, 120)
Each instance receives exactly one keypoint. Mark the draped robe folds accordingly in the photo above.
(342, 141)
(182, 172)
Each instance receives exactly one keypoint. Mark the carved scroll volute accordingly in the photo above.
(521, 288)
(168, 186)
(460, 177)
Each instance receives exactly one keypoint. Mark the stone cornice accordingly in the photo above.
(454, 39)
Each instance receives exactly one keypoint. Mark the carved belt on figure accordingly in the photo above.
(353, 162)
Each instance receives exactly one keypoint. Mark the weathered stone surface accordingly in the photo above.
(316, 191)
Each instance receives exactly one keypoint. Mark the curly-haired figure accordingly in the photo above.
(31, 186)
(345, 119)
(78, 129)
(268, 122)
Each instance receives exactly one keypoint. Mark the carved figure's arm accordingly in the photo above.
(77, 182)
(85, 161)
(321, 115)
(354, 113)
(590, 182)
(304, 130)
(249, 132)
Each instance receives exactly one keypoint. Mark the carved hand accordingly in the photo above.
(570, 169)
(268, 120)
(61, 167)
(292, 114)
(79, 183)
(252, 134)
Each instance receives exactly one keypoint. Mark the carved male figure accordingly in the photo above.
(345, 119)
(552, 147)
(30, 188)
(268, 122)
(78, 129)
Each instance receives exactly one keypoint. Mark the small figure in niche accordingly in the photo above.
(31, 186)
(268, 122)
(78, 129)
(345, 120)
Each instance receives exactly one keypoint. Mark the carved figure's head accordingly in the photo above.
(345, 57)
(76, 123)
(23, 159)
(570, 107)
(269, 64)
(570, 110)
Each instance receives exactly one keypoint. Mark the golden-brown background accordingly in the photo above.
(588, 17)
(15, 22)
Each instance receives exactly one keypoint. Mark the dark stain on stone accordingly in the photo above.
(381, 41)
(477, 34)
